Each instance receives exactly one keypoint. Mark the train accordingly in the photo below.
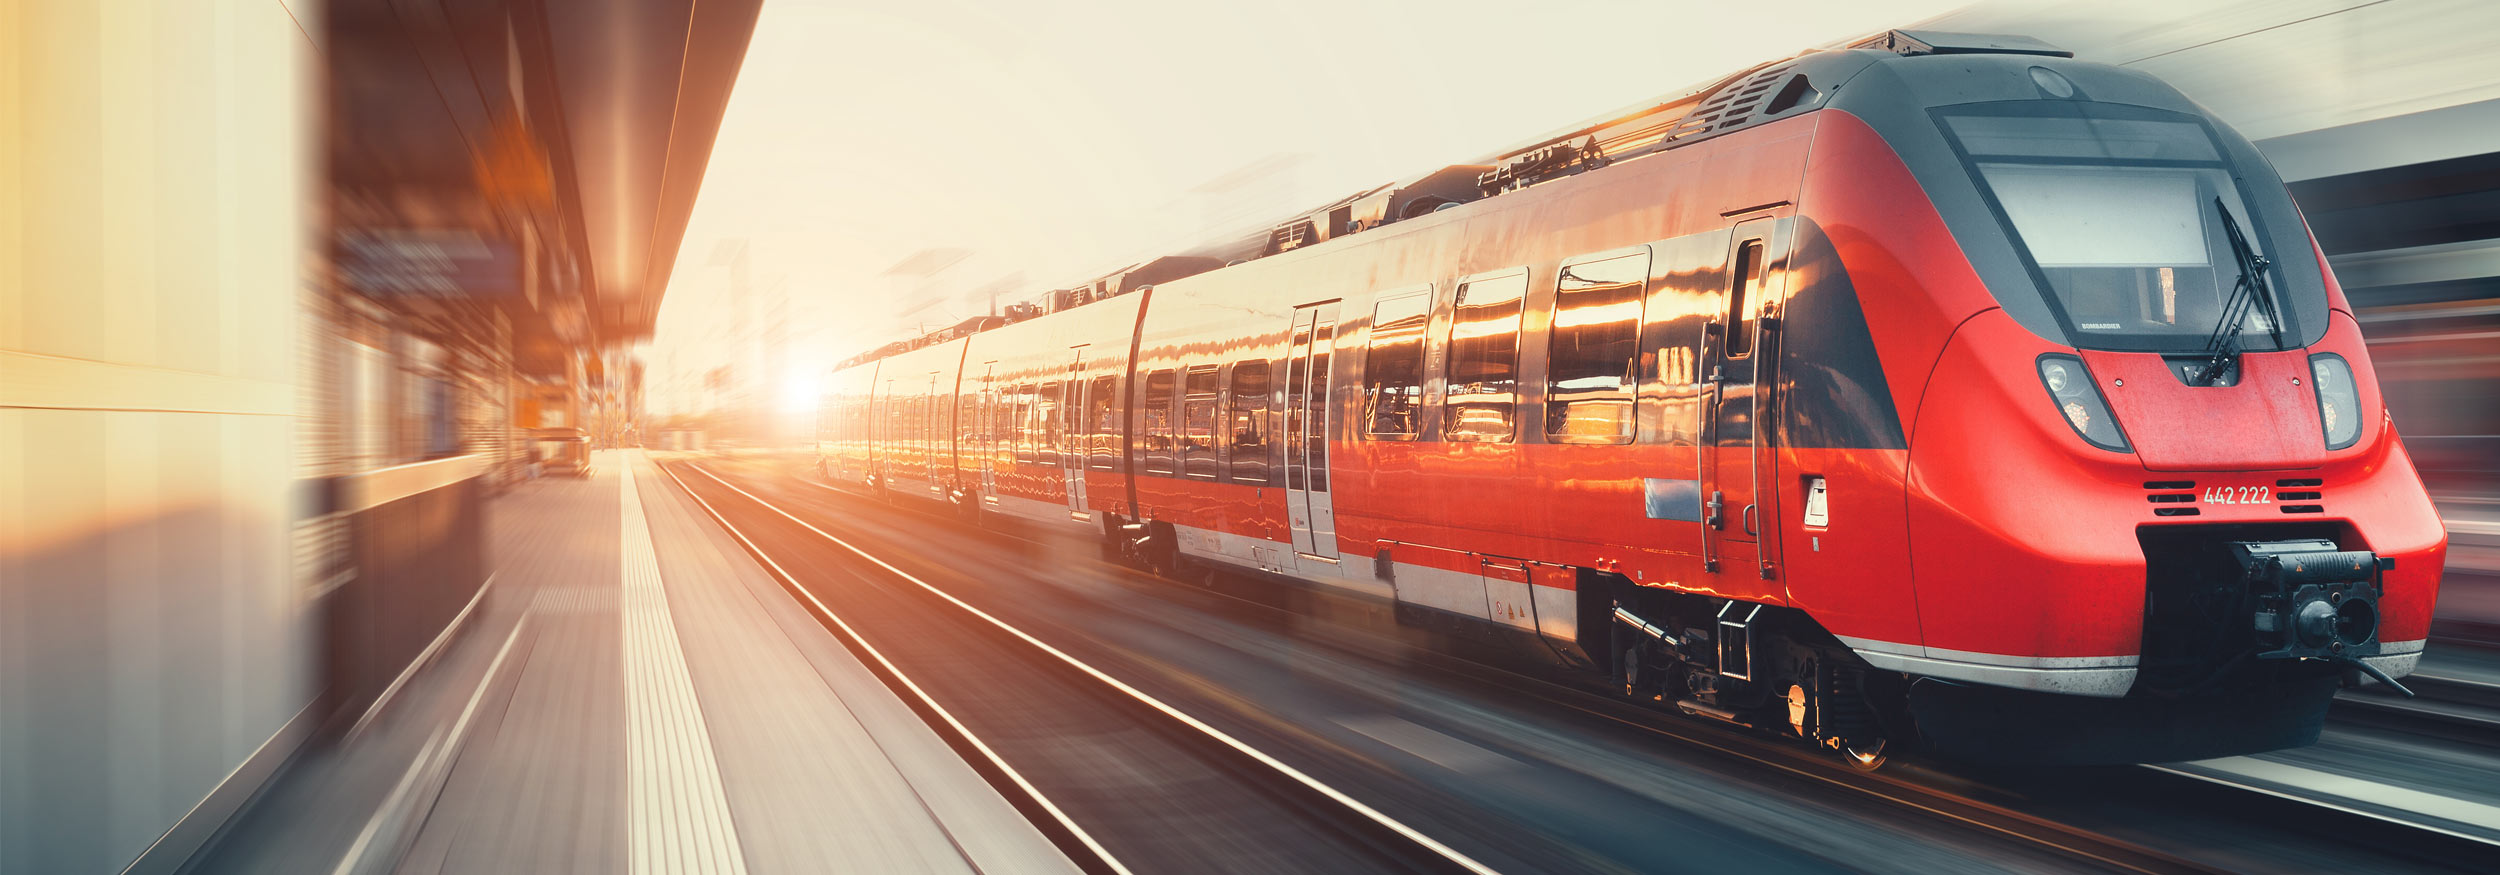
(1936, 392)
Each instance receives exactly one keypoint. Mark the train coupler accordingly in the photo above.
(2312, 600)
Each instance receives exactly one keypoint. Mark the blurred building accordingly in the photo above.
(287, 288)
(722, 368)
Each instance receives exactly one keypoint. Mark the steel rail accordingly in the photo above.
(1297, 776)
(1994, 818)
(2289, 795)
(1084, 840)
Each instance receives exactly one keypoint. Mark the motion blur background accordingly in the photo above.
(290, 288)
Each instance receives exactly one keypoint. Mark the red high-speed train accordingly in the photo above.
(1943, 388)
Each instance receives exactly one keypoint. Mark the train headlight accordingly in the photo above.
(2339, 401)
(2058, 376)
(2070, 388)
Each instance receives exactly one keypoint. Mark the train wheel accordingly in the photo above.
(1864, 756)
(1163, 556)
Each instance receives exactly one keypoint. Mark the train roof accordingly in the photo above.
(1756, 94)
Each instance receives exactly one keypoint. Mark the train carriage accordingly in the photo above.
(1941, 388)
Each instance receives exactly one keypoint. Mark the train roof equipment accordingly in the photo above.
(1757, 94)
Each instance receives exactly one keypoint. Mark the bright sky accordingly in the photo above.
(1061, 140)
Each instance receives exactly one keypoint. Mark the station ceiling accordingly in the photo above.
(578, 130)
(643, 85)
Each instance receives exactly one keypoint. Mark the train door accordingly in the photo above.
(1072, 450)
(1741, 370)
(977, 422)
(1307, 506)
(934, 441)
(883, 421)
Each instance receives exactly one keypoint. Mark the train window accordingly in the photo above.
(1743, 297)
(1023, 424)
(1072, 421)
(1198, 400)
(1074, 414)
(1155, 423)
(1297, 383)
(1595, 339)
(1393, 367)
(1046, 424)
(893, 413)
(1315, 401)
(1246, 422)
(2122, 214)
(1003, 418)
(1483, 391)
(1103, 413)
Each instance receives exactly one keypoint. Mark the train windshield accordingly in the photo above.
(2113, 208)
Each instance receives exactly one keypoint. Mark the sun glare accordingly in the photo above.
(798, 390)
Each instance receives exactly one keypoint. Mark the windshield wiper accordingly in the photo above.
(2224, 344)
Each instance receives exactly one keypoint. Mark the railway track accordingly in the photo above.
(2470, 706)
(1332, 830)
(2044, 814)
(2454, 716)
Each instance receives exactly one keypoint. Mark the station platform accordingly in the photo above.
(632, 692)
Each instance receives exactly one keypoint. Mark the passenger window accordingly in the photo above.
(1104, 419)
(1198, 399)
(1483, 390)
(1592, 349)
(1046, 424)
(1002, 420)
(1744, 292)
(1393, 368)
(1155, 432)
(1297, 385)
(1306, 421)
(1316, 405)
(1072, 419)
(1246, 422)
(1024, 424)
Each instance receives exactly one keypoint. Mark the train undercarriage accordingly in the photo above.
(2249, 632)
(1760, 666)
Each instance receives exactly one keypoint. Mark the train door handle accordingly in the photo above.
(1717, 507)
(1749, 523)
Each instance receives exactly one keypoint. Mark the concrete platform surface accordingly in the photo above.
(633, 694)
